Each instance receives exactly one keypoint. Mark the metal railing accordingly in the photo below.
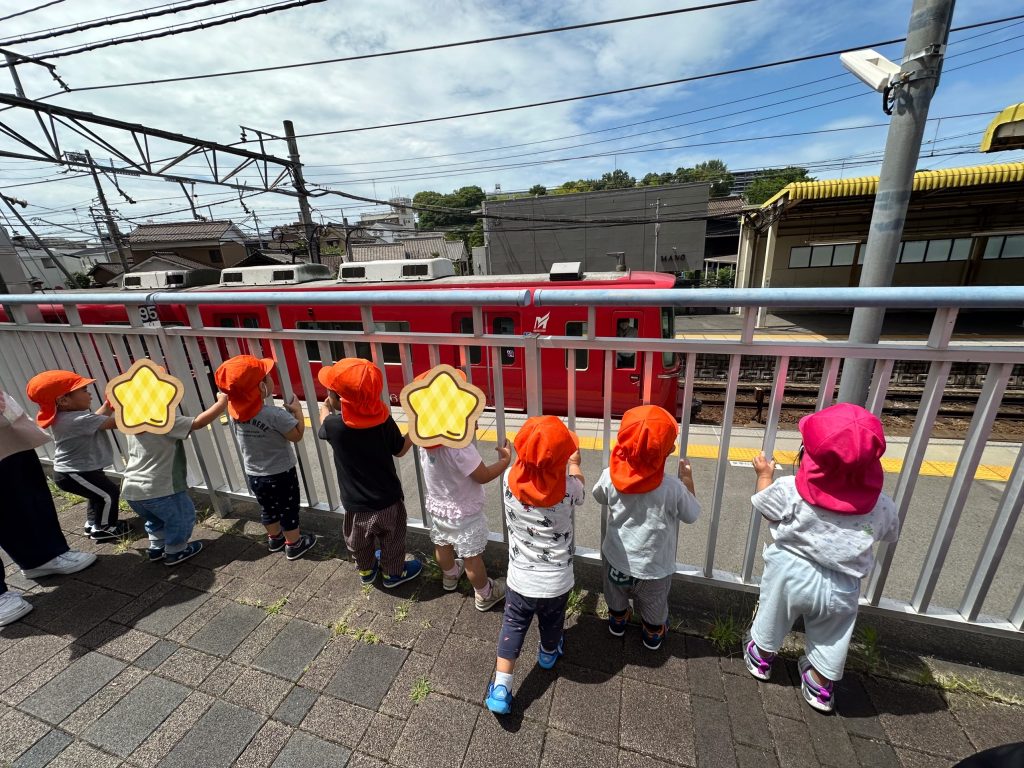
(28, 346)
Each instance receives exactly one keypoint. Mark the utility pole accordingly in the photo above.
(657, 226)
(922, 65)
(259, 236)
(99, 234)
(111, 225)
(312, 246)
(53, 257)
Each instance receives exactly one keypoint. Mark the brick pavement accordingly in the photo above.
(242, 658)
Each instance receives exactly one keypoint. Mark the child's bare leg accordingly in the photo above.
(819, 678)
(445, 556)
(477, 573)
(505, 666)
(273, 529)
(292, 535)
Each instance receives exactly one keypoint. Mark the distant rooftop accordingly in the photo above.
(181, 232)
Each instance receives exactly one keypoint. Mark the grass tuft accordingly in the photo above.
(420, 689)
(726, 633)
(275, 607)
(574, 605)
(402, 610)
(865, 651)
(125, 543)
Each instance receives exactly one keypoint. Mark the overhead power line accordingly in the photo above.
(421, 49)
(30, 10)
(108, 21)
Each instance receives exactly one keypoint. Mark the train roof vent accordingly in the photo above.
(395, 271)
(168, 278)
(566, 270)
(276, 274)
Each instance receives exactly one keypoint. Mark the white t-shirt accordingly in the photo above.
(451, 494)
(541, 542)
(643, 528)
(840, 542)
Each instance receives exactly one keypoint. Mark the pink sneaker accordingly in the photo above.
(757, 665)
(820, 697)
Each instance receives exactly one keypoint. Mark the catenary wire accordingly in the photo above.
(31, 10)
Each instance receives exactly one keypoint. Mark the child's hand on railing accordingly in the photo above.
(685, 473)
(505, 452)
(763, 466)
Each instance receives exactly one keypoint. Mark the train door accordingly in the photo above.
(627, 367)
(510, 359)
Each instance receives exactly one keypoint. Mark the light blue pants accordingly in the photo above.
(169, 520)
(791, 587)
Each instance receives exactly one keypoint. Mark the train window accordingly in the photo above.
(668, 331)
(352, 272)
(626, 328)
(227, 322)
(391, 352)
(414, 270)
(337, 348)
(466, 326)
(582, 355)
(505, 326)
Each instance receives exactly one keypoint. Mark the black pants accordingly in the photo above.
(29, 530)
(519, 613)
(278, 497)
(102, 494)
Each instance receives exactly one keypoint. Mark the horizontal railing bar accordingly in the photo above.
(973, 297)
(405, 297)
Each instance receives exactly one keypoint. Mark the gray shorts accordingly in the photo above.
(827, 600)
(467, 534)
(650, 596)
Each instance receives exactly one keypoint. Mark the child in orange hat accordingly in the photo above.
(542, 489)
(365, 440)
(645, 507)
(265, 434)
(82, 449)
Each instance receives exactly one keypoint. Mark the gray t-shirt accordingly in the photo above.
(643, 528)
(265, 450)
(157, 466)
(840, 542)
(81, 446)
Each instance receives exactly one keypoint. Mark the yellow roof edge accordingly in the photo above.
(1011, 114)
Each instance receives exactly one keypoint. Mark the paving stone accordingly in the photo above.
(656, 721)
(226, 673)
(42, 674)
(217, 739)
(874, 754)
(118, 641)
(72, 687)
(130, 722)
(295, 705)
(748, 757)
(170, 610)
(44, 751)
(792, 742)
(987, 723)
(104, 699)
(18, 661)
(79, 755)
(586, 702)
(912, 715)
(712, 736)
(566, 750)
(156, 655)
(337, 720)
(629, 759)
(156, 747)
(319, 610)
(666, 666)
(459, 668)
(399, 632)
(359, 760)
(830, 740)
(18, 732)
(424, 743)
(293, 649)
(911, 758)
(745, 711)
(73, 608)
(259, 639)
(265, 746)
(305, 751)
(397, 702)
(588, 643)
(854, 708)
(224, 632)
(483, 626)
(367, 675)
(258, 691)
(505, 743)
(198, 619)
(188, 666)
(320, 671)
(381, 736)
(139, 606)
(781, 695)
(702, 669)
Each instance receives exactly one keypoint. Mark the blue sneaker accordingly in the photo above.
(193, 548)
(547, 660)
(156, 554)
(498, 700)
(409, 572)
(370, 576)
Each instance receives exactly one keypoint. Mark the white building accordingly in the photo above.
(39, 267)
(391, 224)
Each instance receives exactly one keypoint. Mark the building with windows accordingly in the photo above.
(215, 244)
(963, 227)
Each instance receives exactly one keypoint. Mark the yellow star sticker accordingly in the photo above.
(144, 399)
(442, 408)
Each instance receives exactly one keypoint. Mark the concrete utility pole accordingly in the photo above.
(312, 244)
(53, 257)
(111, 225)
(922, 63)
(657, 226)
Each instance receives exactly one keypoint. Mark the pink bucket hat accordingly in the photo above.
(841, 469)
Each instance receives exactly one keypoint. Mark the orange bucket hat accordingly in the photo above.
(543, 446)
(44, 389)
(239, 378)
(647, 435)
(359, 385)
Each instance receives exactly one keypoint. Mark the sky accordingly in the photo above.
(748, 120)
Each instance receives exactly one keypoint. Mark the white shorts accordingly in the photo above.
(467, 534)
(827, 600)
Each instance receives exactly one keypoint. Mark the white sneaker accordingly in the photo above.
(71, 561)
(12, 607)
(451, 583)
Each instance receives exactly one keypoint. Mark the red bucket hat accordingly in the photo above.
(841, 469)
(359, 385)
(44, 389)
(543, 446)
(647, 435)
(239, 378)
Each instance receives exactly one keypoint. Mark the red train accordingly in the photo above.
(628, 369)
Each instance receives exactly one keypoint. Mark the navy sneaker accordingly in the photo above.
(155, 554)
(653, 638)
(370, 576)
(409, 572)
(545, 659)
(192, 548)
(499, 699)
(617, 624)
(276, 543)
(118, 530)
(302, 546)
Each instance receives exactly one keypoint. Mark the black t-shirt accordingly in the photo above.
(363, 459)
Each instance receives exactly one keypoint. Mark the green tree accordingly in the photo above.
(80, 280)
(461, 203)
(656, 179)
(774, 179)
(617, 179)
(538, 190)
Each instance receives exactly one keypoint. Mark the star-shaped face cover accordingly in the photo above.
(442, 408)
(144, 398)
